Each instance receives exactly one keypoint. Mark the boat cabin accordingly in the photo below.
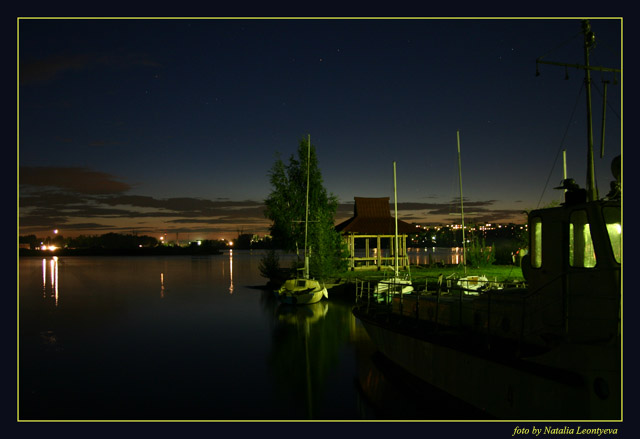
(574, 261)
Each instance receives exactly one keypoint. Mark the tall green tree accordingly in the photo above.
(285, 207)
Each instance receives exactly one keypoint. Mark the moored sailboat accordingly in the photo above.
(398, 284)
(303, 290)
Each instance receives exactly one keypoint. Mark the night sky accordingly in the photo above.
(171, 126)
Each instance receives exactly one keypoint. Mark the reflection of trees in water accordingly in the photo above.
(306, 345)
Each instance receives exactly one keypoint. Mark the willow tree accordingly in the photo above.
(286, 205)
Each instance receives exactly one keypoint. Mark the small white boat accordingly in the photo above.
(392, 286)
(302, 291)
(473, 283)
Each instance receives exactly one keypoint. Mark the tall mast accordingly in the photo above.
(589, 43)
(464, 244)
(306, 214)
(395, 202)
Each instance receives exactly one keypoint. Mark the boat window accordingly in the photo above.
(581, 251)
(536, 242)
(614, 229)
(302, 283)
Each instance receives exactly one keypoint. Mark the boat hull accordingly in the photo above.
(523, 389)
(301, 298)
(301, 292)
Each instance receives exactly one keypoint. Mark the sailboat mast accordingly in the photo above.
(395, 202)
(464, 245)
(306, 213)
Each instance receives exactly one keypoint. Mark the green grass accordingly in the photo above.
(499, 273)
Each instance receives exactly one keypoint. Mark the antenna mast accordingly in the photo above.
(589, 43)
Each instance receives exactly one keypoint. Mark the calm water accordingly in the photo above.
(194, 338)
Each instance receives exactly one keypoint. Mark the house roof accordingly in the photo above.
(372, 216)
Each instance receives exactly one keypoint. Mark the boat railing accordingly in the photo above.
(454, 306)
(527, 317)
(367, 296)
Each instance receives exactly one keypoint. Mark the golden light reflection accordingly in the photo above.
(231, 270)
(53, 279)
(44, 278)
(55, 284)
(162, 285)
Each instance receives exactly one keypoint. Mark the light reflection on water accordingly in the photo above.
(422, 255)
(432, 255)
(231, 271)
(52, 290)
(101, 343)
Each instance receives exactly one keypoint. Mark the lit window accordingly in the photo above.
(614, 228)
(536, 243)
(581, 251)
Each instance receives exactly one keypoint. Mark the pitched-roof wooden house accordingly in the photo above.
(372, 220)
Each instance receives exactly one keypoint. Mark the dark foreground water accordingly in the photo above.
(195, 338)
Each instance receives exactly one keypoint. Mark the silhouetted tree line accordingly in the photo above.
(115, 244)
(106, 241)
(247, 241)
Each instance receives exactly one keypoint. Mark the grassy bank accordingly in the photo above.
(419, 274)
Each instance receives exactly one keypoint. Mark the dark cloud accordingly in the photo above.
(47, 69)
(53, 67)
(189, 207)
(74, 179)
(85, 200)
(73, 197)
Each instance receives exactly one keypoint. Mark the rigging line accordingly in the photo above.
(613, 51)
(560, 45)
(560, 147)
(608, 103)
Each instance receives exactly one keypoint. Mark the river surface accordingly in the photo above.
(196, 338)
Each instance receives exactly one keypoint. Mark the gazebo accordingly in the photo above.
(372, 219)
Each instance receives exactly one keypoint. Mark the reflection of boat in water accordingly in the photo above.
(386, 391)
(548, 351)
(302, 369)
(303, 290)
(305, 315)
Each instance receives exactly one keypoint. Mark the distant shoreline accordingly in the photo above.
(144, 251)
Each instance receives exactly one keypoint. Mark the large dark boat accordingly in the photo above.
(551, 350)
